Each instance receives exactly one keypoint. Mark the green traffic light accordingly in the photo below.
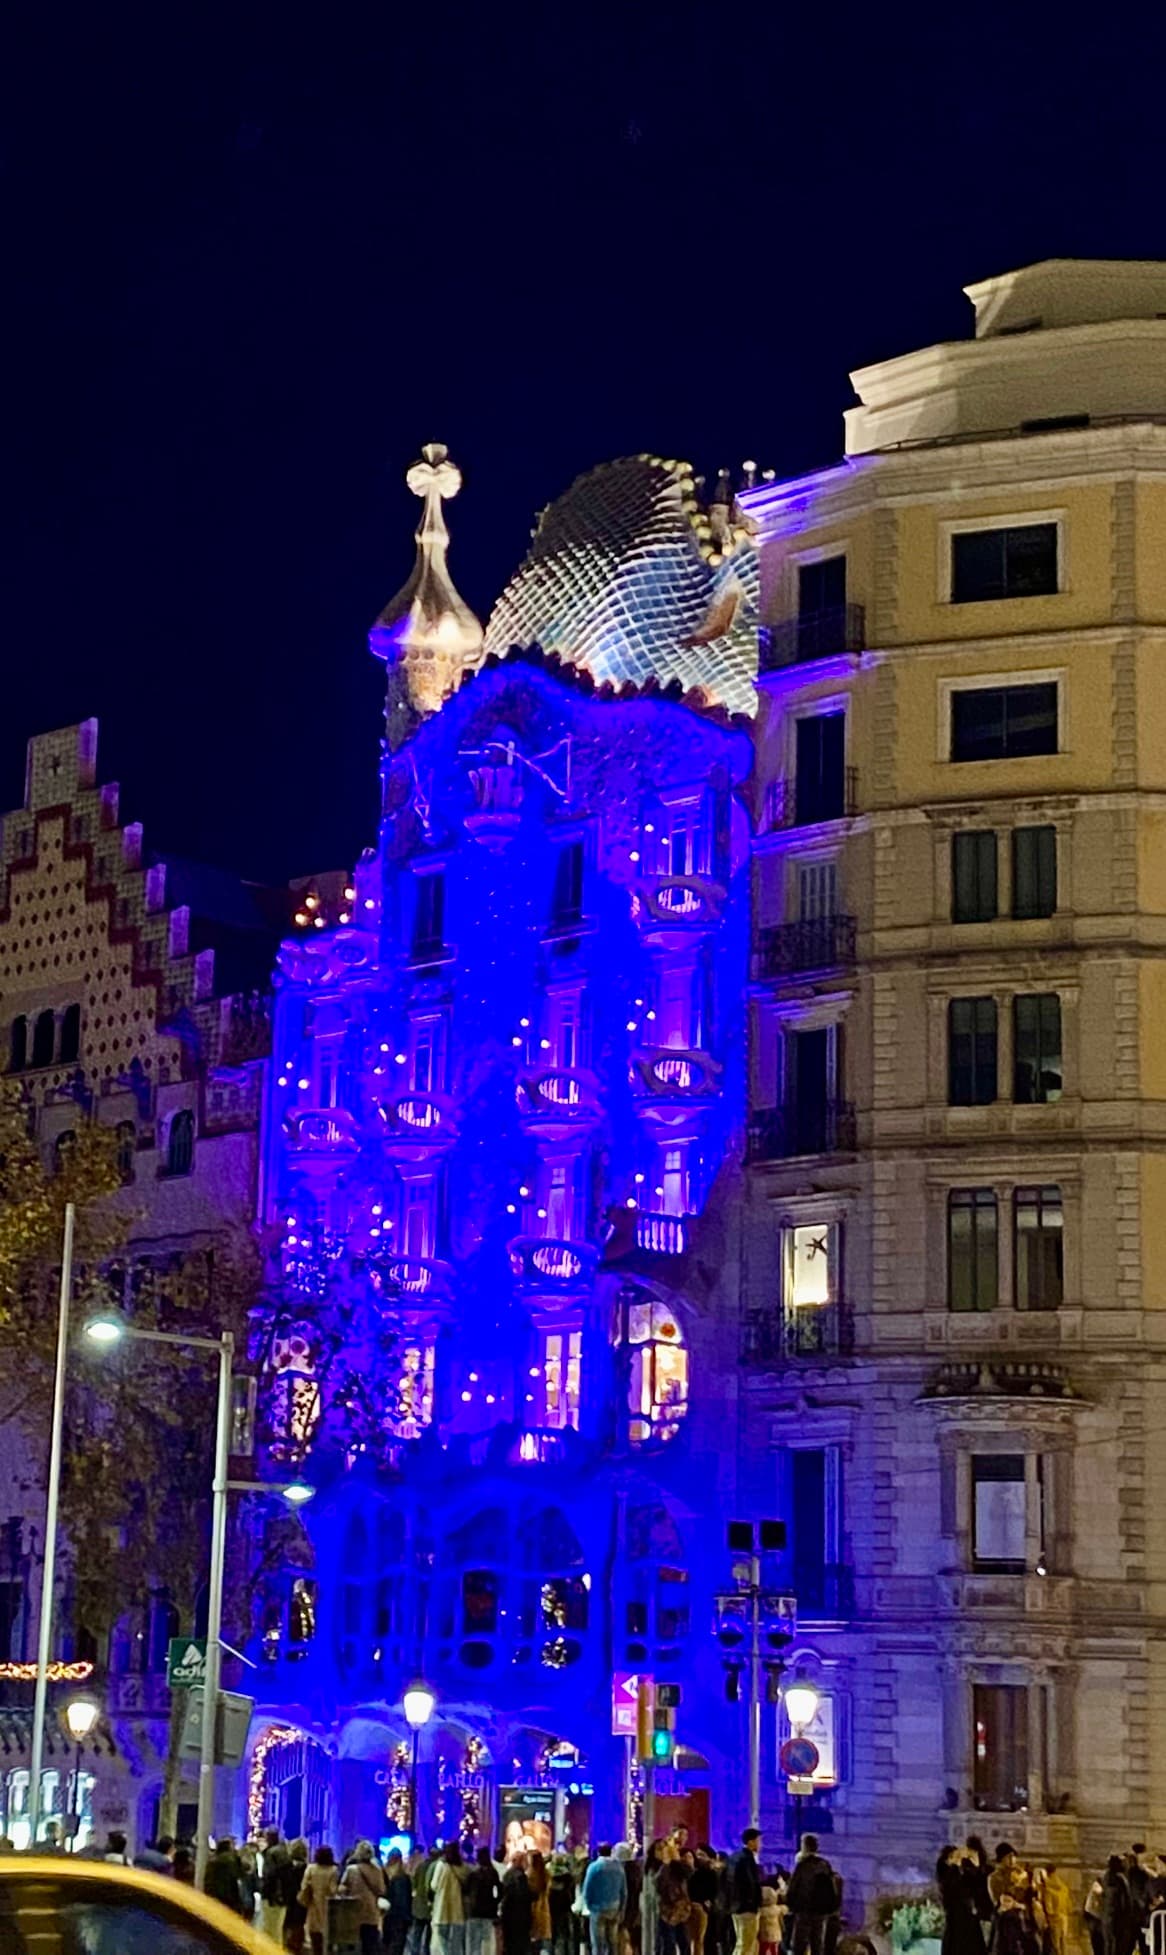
(661, 1746)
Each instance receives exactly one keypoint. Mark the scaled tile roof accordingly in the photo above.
(630, 578)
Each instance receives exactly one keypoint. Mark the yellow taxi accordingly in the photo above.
(55, 1905)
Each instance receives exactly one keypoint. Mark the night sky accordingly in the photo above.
(252, 263)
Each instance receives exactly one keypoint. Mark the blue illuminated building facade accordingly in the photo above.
(505, 1111)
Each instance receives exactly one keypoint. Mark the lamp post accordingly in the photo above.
(801, 1708)
(754, 1624)
(49, 1563)
(419, 1703)
(108, 1330)
(81, 1714)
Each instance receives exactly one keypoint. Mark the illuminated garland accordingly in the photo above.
(56, 1672)
(270, 1740)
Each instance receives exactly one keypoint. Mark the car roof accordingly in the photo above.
(64, 1869)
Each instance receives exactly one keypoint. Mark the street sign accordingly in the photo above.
(186, 1662)
(233, 1726)
(799, 1758)
(800, 1788)
(625, 1699)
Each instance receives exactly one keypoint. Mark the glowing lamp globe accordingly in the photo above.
(418, 1703)
(801, 1704)
(298, 1493)
(81, 1714)
(105, 1330)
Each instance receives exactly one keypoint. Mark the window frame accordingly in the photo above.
(986, 1469)
(1040, 1196)
(994, 681)
(960, 838)
(1047, 1096)
(975, 1034)
(973, 525)
(1035, 829)
(975, 1200)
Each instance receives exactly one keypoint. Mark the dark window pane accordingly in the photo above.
(808, 1475)
(1004, 722)
(1001, 563)
(567, 901)
(973, 876)
(1038, 1221)
(18, 1046)
(44, 1037)
(822, 586)
(971, 1052)
(1000, 1747)
(180, 1144)
(1034, 871)
(429, 919)
(480, 1602)
(1037, 1048)
(971, 1249)
(70, 1034)
(820, 780)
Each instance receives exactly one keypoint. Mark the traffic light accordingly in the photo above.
(662, 1742)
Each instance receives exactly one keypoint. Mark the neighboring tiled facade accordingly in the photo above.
(110, 1009)
(955, 1328)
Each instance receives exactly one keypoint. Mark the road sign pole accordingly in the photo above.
(214, 1623)
(755, 1694)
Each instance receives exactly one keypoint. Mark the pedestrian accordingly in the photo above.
(562, 1872)
(702, 1892)
(116, 1849)
(447, 1911)
(295, 1914)
(399, 1914)
(184, 1865)
(1119, 1922)
(539, 1882)
(654, 1863)
(769, 1921)
(813, 1899)
(223, 1878)
(248, 1879)
(363, 1881)
(515, 1909)
(421, 1870)
(1057, 1902)
(272, 1884)
(673, 1904)
(480, 1897)
(962, 1934)
(744, 1892)
(321, 1881)
(977, 1869)
(605, 1893)
(633, 1873)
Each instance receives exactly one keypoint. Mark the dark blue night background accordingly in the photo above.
(254, 257)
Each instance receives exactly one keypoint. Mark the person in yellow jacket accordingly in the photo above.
(1057, 1903)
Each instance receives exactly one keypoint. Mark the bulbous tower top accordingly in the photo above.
(427, 634)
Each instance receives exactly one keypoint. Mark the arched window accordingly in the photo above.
(18, 1045)
(127, 1141)
(180, 1143)
(70, 1035)
(44, 1038)
(657, 1368)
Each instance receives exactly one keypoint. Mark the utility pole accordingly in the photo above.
(755, 1625)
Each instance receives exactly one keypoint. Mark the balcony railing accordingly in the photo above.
(684, 900)
(803, 803)
(825, 1594)
(552, 1265)
(807, 1330)
(662, 1235)
(815, 634)
(823, 1127)
(821, 943)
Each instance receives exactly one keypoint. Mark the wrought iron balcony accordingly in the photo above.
(814, 634)
(416, 1123)
(321, 1136)
(807, 1330)
(821, 943)
(416, 1282)
(825, 1594)
(670, 1072)
(821, 1127)
(804, 803)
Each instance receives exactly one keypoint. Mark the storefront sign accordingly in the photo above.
(527, 1817)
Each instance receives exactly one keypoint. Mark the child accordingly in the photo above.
(769, 1922)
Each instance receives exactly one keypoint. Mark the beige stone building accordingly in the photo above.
(955, 1334)
(133, 992)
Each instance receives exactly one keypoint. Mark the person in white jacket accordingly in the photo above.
(445, 1890)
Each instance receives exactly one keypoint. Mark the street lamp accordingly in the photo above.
(81, 1714)
(49, 1560)
(419, 1703)
(801, 1706)
(107, 1330)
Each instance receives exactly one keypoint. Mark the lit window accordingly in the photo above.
(302, 1610)
(1000, 1767)
(998, 1511)
(562, 1369)
(811, 1259)
(658, 1380)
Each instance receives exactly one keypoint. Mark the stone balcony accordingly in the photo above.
(667, 906)
(558, 1099)
(976, 1592)
(671, 1075)
(418, 1124)
(321, 1139)
(551, 1268)
(414, 1282)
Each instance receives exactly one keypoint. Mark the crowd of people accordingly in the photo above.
(1012, 1908)
(677, 1899)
